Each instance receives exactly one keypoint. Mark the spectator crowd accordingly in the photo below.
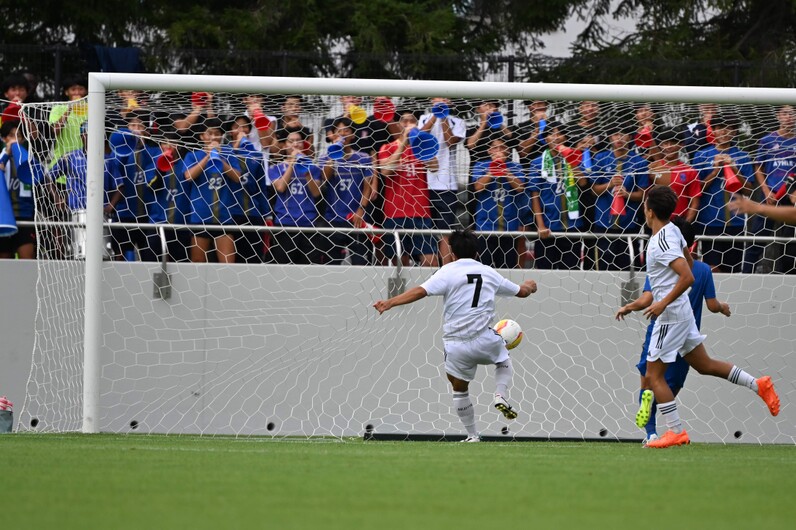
(574, 175)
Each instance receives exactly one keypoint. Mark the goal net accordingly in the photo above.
(250, 225)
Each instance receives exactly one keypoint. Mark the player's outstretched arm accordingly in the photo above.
(642, 302)
(783, 213)
(527, 288)
(714, 306)
(412, 295)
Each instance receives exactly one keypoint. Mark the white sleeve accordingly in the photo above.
(459, 128)
(507, 287)
(422, 121)
(675, 245)
(437, 285)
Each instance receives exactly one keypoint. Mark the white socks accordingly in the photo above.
(669, 411)
(465, 411)
(503, 375)
(739, 377)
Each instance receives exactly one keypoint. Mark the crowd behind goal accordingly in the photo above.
(188, 169)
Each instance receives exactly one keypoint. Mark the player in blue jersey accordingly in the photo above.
(22, 172)
(297, 184)
(775, 160)
(209, 170)
(676, 372)
(713, 217)
(555, 182)
(619, 177)
(348, 183)
(499, 185)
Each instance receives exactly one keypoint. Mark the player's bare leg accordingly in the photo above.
(464, 407)
(676, 435)
(700, 361)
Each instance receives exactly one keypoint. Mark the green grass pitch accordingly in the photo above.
(171, 482)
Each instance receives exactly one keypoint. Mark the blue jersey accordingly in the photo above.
(211, 196)
(777, 155)
(112, 178)
(344, 195)
(22, 172)
(713, 201)
(702, 288)
(499, 204)
(259, 185)
(551, 188)
(635, 171)
(132, 206)
(247, 200)
(296, 205)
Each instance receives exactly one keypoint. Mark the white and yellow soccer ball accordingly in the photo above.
(510, 331)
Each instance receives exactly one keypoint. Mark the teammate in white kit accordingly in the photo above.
(469, 288)
(669, 270)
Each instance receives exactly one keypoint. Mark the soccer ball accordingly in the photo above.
(510, 331)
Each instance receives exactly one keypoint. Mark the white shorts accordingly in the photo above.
(462, 358)
(672, 338)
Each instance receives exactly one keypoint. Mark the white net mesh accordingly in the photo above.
(277, 336)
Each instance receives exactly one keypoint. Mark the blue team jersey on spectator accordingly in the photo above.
(247, 202)
(112, 177)
(778, 157)
(344, 195)
(257, 166)
(178, 210)
(713, 201)
(499, 197)
(133, 182)
(552, 198)
(636, 177)
(211, 197)
(22, 172)
(296, 206)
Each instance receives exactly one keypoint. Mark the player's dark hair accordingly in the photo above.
(464, 244)
(686, 228)
(662, 201)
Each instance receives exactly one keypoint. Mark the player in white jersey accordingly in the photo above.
(669, 266)
(469, 288)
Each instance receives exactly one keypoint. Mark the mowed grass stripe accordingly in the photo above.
(123, 481)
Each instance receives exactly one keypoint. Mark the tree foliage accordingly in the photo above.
(427, 39)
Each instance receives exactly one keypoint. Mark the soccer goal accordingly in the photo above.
(220, 242)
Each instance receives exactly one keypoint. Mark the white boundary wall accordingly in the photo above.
(577, 383)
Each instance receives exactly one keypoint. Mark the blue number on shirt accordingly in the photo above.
(499, 195)
(296, 188)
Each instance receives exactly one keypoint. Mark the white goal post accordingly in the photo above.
(100, 84)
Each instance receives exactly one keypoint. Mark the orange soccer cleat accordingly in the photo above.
(669, 439)
(765, 389)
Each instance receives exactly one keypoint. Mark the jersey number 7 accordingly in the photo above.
(478, 283)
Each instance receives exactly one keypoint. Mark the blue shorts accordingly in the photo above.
(443, 209)
(676, 372)
(414, 246)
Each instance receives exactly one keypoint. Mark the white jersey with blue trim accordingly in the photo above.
(665, 247)
(469, 288)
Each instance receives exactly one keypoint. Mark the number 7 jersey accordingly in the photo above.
(469, 288)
